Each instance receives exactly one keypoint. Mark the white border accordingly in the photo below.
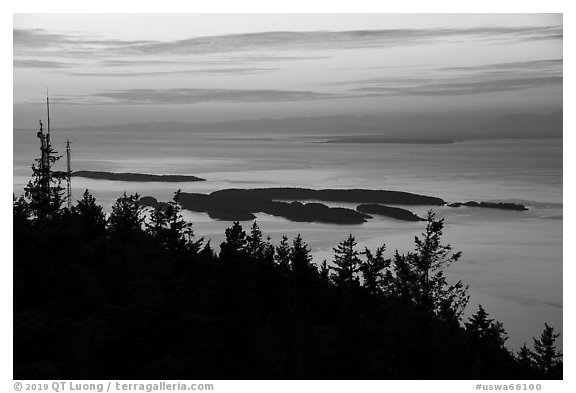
(298, 6)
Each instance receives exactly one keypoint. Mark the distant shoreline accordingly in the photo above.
(491, 205)
(415, 141)
(136, 177)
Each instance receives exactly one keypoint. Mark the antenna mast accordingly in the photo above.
(68, 174)
(48, 111)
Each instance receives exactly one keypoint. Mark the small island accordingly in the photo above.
(136, 177)
(387, 211)
(491, 205)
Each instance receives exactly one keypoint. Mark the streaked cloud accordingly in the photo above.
(40, 38)
(452, 81)
(540, 65)
(183, 96)
(176, 73)
(456, 87)
(215, 61)
(27, 63)
(328, 71)
(274, 40)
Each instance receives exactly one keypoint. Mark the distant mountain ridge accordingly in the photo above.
(458, 126)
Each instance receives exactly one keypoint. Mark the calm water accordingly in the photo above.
(512, 261)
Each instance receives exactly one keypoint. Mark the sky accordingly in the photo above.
(104, 69)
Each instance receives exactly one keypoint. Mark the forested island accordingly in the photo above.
(334, 195)
(232, 208)
(136, 177)
(241, 204)
(136, 295)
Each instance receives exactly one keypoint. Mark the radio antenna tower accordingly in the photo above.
(48, 111)
(68, 174)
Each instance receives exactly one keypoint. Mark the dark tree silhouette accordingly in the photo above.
(547, 359)
(20, 209)
(375, 271)
(126, 217)
(486, 330)
(235, 245)
(347, 263)
(324, 272)
(525, 359)
(258, 248)
(170, 229)
(44, 193)
(90, 214)
(300, 260)
(282, 256)
(420, 274)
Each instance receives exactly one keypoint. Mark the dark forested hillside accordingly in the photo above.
(135, 295)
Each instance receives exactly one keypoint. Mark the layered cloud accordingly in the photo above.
(228, 60)
(175, 73)
(453, 81)
(304, 66)
(77, 44)
(455, 87)
(43, 64)
(183, 96)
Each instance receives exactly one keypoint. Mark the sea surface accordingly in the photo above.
(512, 261)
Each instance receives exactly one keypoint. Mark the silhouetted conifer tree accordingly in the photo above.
(486, 330)
(282, 256)
(235, 245)
(258, 248)
(547, 359)
(90, 214)
(44, 193)
(420, 275)
(405, 283)
(374, 271)
(20, 209)
(207, 254)
(126, 216)
(525, 358)
(300, 259)
(170, 229)
(324, 272)
(346, 262)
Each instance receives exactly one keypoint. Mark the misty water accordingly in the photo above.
(512, 261)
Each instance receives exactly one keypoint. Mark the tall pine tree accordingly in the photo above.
(347, 263)
(300, 260)
(44, 193)
(420, 274)
(374, 269)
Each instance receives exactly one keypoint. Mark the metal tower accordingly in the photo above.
(68, 174)
(48, 111)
